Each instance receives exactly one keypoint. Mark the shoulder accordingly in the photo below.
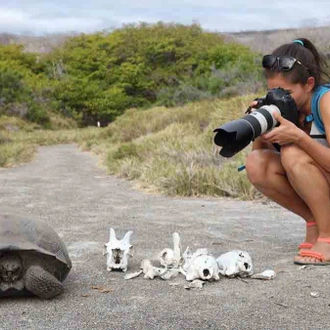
(325, 105)
(325, 98)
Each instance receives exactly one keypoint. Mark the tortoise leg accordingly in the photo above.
(41, 283)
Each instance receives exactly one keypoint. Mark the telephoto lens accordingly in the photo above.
(237, 134)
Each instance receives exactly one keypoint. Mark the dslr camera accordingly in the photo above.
(237, 134)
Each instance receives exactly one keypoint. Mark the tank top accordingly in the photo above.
(317, 130)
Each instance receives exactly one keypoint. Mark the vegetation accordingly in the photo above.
(173, 151)
(169, 150)
(162, 89)
(97, 77)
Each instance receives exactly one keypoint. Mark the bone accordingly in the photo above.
(171, 272)
(235, 263)
(195, 266)
(200, 265)
(188, 256)
(268, 274)
(133, 275)
(151, 271)
(177, 250)
(166, 257)
(195, 284)
(118, 252)
(171, 257)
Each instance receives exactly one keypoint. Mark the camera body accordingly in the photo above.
(282, 99)
(237, 134)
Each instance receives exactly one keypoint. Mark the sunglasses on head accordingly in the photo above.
(284, 63)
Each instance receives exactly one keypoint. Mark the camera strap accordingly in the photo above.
(309, 118)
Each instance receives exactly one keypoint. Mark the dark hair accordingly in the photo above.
(308, 55)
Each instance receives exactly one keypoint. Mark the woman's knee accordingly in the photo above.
(292, 158)
(257, 166)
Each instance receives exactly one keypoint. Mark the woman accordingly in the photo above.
(298, 176)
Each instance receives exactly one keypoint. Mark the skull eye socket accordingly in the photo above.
(246, 265)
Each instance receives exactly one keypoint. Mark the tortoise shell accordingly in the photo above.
(22, 234)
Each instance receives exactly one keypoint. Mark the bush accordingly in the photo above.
(99, 76)
(176, 96)
(12, 87)
(38, 115)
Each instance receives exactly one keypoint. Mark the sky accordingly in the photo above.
(42, 17)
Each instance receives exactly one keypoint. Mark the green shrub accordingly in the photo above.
(38, 115)
(99, 76)
(12, 87)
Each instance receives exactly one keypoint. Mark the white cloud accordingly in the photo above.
(45, 16)
(17, 21)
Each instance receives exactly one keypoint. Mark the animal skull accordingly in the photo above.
(117, 251)
(200, 265)
(235, 263)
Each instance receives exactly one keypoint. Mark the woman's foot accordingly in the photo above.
(312, 233)
(318, 254)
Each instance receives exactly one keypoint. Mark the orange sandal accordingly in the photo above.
(307, 245)
(315, 255)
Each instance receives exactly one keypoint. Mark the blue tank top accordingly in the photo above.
(318, 93)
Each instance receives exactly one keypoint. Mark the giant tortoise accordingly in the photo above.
(33, 258)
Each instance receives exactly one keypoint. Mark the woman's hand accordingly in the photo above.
(251, 107)
(286, 133)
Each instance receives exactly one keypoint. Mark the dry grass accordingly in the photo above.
(169, 150)
(16, 153)
(172, 150)
(12, 124)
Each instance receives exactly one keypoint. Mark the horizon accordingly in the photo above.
(76, 33)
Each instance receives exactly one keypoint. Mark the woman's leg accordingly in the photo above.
(311, 183)
(267, 174)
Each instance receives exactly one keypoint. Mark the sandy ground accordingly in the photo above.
(66, 188)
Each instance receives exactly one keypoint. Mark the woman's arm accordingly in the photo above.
(319, 152)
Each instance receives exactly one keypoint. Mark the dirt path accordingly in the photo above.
(66, 188)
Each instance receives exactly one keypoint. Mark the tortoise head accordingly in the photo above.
(11, 268)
